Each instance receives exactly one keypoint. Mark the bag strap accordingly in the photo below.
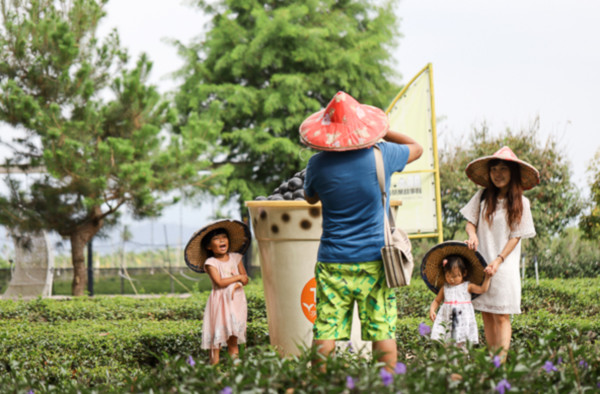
(380, 167)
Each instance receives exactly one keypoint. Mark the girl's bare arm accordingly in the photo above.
(473, 288)
(213, 272)
(436, 303)
(245, 279)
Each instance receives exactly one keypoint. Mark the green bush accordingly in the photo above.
(122, 344)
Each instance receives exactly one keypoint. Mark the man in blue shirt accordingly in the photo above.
(343, 177)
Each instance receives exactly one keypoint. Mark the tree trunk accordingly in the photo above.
(79, 239)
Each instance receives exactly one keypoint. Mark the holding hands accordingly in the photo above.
(492, 268)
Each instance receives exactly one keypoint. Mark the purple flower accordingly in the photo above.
(503, 386)
(350, 348)
(497, 361)
(424, 329)
(31, 391)
(227, 390)
(559, 361)
(350, 382)
(583, 364)
(386, 377)
(549, 367)
(191, 361)
(400, 369)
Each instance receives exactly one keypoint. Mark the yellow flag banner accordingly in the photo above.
(412, 112)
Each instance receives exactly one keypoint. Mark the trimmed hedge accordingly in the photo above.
(117, 344)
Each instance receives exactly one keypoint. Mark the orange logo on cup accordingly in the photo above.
(308, 300)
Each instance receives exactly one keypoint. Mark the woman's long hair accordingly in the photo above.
(514, 202)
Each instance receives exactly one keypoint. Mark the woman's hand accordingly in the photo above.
(472, 242)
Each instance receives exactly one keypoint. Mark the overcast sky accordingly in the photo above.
(500, 62)
(508, 62)
(505, 63)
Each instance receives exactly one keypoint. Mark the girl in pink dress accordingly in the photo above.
(226, 309)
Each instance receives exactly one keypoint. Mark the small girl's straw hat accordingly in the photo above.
(478, 170)
(433, 273)
(344, 124)
(239, 240)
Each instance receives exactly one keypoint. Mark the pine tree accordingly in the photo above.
(93, 126)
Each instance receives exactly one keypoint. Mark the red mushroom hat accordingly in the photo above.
(478, 170)
(345, 124)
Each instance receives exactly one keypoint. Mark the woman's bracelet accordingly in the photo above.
(499, 255)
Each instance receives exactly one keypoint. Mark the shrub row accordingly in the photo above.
(120, 344)
(551, 364)
(121, 308)
(559, 296)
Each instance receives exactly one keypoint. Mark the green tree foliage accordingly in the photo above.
(92, 127)
(264, 66)
(554, 202)
(590, 222)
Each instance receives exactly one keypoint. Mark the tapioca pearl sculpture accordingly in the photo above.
(290, 189)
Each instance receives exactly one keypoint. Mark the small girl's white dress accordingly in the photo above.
(456, 298)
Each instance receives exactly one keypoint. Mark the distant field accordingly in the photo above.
(145, 281)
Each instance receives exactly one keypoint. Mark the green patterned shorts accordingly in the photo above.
(339, 286)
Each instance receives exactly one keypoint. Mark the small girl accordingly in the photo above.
(456, 318)
(218, 250)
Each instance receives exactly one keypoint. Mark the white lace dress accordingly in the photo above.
(504, 294)
(456, 298)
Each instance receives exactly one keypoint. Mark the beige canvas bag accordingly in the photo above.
(397, 253)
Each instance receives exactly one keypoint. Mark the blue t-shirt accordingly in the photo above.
(349, 191)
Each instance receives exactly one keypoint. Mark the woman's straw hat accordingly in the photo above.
(433, 273)
(344, 124)
(478, 170)
(239, 240)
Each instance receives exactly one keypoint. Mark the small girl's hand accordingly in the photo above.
(432, 314)
(236, 286)
(244, 279)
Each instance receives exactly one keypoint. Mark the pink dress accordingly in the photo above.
(226, 310)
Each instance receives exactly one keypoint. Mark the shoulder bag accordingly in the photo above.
(397, 253)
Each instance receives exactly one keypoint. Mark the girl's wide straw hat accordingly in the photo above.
(344, 124)
(478, 169)
(239, 240)
(432, 271)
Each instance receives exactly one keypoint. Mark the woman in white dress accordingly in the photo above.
(498, 217)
